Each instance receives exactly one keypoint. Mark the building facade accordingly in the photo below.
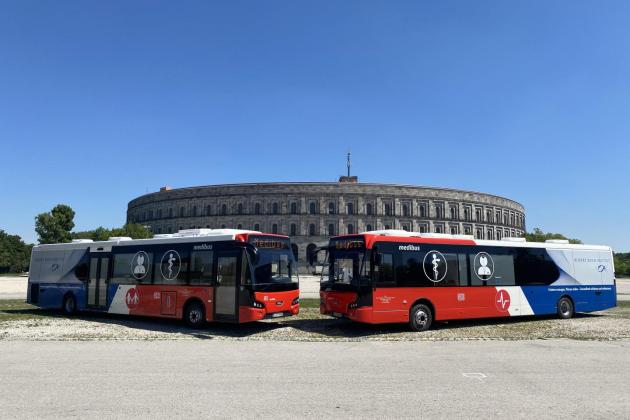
(311, 212)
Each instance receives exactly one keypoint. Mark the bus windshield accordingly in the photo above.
(274, 267)
(349, 267)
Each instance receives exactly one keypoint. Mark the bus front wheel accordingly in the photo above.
(420, 317)
(69, 305)
(194, 315)
(565, 308)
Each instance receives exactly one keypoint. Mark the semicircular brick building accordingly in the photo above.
(310, 212)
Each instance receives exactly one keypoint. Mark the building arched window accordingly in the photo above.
(194, 211)
(423, 211)
(350, 208)
(274, 228)
(498, 235)
(331, 229)
(477, 214)
(350, 229)
(511, 219)
(405, 227)
(388, 209)
(312, 208)
(222, 226)
(490, 235)
(257, 227)
(438, 229)
(453, 230)
(311, 229)
(182, 211)
(466, 213)
(423, 229)
(239, 208)
(294, 248)
(331, 208)
(479, 234)
(293, 208)
(368, 208)
(387, 227)
(438, 211)
(170, 212)
(239, 226)
(293, 229)
(208, 210)
(405, 209)
(257, 208)
(489, 216)
(223, 209)
(274, 208)
(368, 227)
(453, 213)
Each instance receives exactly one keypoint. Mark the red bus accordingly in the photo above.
(196, 275)
(395, 276)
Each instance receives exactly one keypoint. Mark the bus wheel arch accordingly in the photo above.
(565, 307)
(194, 313)
(421, 315)
(69, 304)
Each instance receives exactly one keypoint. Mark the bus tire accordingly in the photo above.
(194, 314)
(565, 308)
(420, 317)
(69, 304)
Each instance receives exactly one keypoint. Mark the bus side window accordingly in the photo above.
(201, 268)
(384, 272)
(463, 269)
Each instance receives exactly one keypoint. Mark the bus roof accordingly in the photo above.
(392, 235)
(182, 236)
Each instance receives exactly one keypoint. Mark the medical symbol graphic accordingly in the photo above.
(483, 266)
(140, 265)
(502, 300)
(434, 265)
(171, 264)
(132, 298)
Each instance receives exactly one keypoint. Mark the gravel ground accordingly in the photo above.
(613, 324)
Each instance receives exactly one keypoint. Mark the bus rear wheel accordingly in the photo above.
(420, 317)
(69, 305)
(194, 315)
(565, 308)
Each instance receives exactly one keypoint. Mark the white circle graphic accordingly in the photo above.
(437, 266)
(483, 265)
(140, 265)
(170, 264)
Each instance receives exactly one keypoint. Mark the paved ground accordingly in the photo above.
(623, 289)
(543, 379)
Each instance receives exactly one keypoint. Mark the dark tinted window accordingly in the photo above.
(201, 267)
(492, 266)
(533, 266)
(170, 266)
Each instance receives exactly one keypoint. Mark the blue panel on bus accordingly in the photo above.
(543, 299)
(51, 294)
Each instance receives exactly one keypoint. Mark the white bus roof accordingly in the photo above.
(183, 236)
(507, 241)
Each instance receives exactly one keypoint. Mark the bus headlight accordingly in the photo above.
(353, 305)
(295, 301)
(258, 305)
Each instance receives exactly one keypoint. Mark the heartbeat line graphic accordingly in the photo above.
(503, 300)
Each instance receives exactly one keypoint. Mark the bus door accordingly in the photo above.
(98, 280)
(226, 291)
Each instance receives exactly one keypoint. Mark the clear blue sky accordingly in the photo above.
(103, 101)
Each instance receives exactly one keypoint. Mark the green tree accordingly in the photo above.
(15, 255)
(131, 230)
(537, 235)
(55, 226)
(622, 264)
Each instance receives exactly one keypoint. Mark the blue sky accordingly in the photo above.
(103, 101)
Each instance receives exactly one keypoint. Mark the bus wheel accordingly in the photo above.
(194, 315)
(420, 317)
(69, 305)
(565, 308)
